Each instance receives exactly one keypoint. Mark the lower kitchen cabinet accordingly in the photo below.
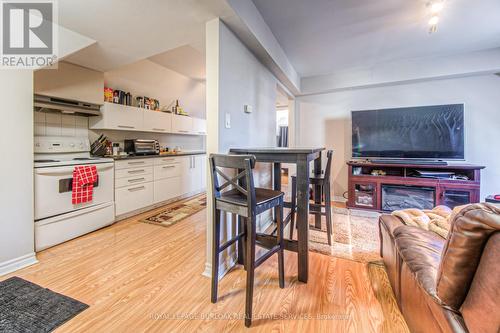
(193, 173)
(166, 189)
(141, 183)
(134, 197)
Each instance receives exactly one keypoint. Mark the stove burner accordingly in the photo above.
(45, 161)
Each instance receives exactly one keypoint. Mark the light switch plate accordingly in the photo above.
(228, 120)
(248, 109)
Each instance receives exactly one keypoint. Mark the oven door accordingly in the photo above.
(53, 186)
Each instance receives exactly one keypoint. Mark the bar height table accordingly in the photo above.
(301, 157)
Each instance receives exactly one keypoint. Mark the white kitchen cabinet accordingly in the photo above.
(130, 198)
(156, 121)
(201, 163)
(133, 163)
(118, 117)
(134, 180)
(142, 183)
(182, 124)
(199, 126)
(193, 177)
(166, 189)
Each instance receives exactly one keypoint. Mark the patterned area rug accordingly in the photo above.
(355, 236)
(177, 211)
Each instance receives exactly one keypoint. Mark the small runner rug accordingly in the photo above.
(27, 307)
(177, 212)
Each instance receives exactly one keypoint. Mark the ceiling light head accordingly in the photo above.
(436, 7)
(434, 20)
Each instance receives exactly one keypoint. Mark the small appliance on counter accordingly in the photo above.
(142, 147)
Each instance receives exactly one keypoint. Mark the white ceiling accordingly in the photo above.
(324, 36)
(185, 60)
(127, 31)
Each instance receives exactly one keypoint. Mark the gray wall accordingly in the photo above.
(325, 120)
(16, 170)
(236, 78)
(244, 80)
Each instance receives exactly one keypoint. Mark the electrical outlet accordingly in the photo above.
(228, 120)
(248, 109)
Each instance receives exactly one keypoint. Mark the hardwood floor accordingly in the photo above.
(139, 277)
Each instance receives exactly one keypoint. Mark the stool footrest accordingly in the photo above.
(266, 255)
(230, 242)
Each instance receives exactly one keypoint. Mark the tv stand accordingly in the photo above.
(382, 186)
(415, 162)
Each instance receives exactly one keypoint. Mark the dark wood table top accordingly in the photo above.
(277, 150)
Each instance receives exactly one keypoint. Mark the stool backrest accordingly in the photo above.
(329, 155)
(243, 182)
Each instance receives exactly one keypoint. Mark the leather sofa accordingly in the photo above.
(446, 285)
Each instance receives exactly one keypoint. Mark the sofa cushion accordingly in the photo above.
(470, 231)
(421, 251)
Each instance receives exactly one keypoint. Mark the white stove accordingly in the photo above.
(60, 151)
(56, 218)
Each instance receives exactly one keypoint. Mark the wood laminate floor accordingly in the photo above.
(138, 277)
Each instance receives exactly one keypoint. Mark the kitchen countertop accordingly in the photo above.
(182, 153)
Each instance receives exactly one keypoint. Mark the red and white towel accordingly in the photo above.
(84, 177)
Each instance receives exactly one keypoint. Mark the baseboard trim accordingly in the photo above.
(224, 267)
(15, 264)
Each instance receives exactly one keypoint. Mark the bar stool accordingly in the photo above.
(323, 180)
(239, 196)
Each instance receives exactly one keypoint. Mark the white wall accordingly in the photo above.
(16, 170)
(325, 120)
(146, 78)
(235, 78)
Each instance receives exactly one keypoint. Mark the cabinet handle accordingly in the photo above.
(125, 126)
(136, 188)
(136, 180)
(136, 171)
(159, 129)
(137, 162)
(182, 131)
(169, 167)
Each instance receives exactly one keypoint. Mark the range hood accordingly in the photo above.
(55, 104)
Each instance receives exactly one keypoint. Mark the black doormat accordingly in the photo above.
(27, 307)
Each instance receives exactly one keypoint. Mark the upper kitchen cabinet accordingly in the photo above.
(182, 124)
(155, 121)
(118, 117)
(70, 82)
(199, 126)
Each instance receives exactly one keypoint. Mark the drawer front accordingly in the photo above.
(166, 160)
(129, 181)
(133, 197)
(133, 172)
(133, 163)
(167, 189)
(167, 171)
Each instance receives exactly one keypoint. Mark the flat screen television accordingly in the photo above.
(426, 132)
